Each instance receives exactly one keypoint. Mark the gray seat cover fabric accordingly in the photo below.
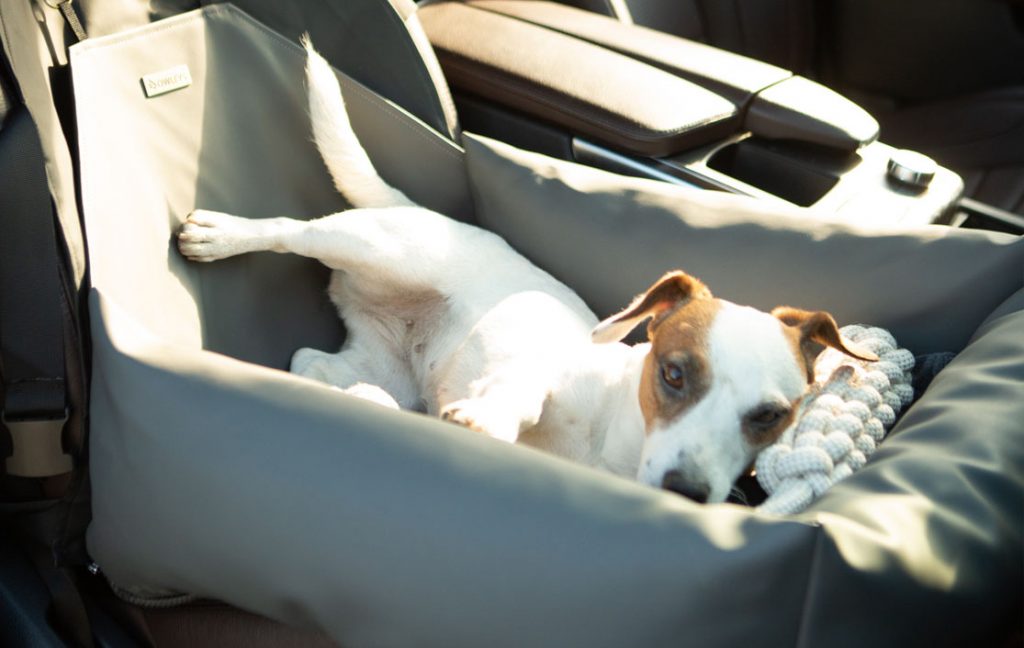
(379, 43)
(227, 142)
(935, 524)
(931, 286)
(220, 477)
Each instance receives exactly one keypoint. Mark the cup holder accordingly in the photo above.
(773, 168)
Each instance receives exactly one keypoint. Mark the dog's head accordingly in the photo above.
(720, 383)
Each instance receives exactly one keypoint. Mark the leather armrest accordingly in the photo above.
(561, 79)
(774, 102)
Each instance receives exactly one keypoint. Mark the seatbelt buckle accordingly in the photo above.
(37, 446)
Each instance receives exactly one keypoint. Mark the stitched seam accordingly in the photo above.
(468, 69)
(116, 40)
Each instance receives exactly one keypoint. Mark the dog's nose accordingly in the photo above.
(677, 483)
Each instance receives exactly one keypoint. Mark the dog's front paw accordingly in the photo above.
(210, 236)
(484, 417)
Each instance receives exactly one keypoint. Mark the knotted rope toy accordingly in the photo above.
(851, 407)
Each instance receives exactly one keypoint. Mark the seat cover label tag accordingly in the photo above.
(165, 81)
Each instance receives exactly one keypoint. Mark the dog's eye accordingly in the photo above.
(767, 416)
(672, 374)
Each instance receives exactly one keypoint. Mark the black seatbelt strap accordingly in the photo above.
(70, 615)
(31, 321)
(32, 355)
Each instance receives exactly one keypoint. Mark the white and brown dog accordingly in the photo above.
(447, 318)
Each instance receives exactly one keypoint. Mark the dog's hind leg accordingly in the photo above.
(331, 368)
(337, 371)
(352, 371)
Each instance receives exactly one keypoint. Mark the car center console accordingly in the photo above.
(625, 98)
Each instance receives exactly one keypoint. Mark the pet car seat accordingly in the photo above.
(382, 45)
(217, 474)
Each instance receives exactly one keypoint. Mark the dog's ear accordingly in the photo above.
(815, 328)
(668, 293)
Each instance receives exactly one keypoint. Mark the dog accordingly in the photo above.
(447, 318)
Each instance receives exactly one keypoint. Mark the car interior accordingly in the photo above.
(937, 77)
(864, 155)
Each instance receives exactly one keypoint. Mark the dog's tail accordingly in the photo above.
(346, 160)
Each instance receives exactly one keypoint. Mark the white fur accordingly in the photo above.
(346, 160)
(447, 318)
(752, 364)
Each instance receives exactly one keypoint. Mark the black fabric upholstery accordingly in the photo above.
(981, 136)
(775, 31)
(30, 295)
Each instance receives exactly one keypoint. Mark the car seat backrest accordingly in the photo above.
(774, 31)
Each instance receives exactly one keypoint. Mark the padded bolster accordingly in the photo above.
(590, 90)
(777, 104)
(930, 286)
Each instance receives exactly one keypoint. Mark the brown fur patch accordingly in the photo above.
(673, 289)
(815, 328)
(804, 356)
(680, 338)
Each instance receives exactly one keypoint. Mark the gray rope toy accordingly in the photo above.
(851, 407)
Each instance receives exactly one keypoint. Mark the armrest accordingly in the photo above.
(570, 82)
(774, 102)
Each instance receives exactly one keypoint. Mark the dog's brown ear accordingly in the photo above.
(818, 327)
(668, 293)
